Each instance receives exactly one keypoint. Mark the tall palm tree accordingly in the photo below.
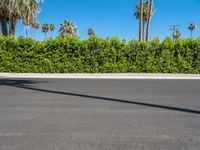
(35, 24)
(45, 29)
(26, 24)
(14, 10)
(68, 29)
(145, 15)
(141, 34)
(52, 28)
(3, 26)
(150, 13)
(22, 9)
(4, 7)
(192, 27)
(91, 32)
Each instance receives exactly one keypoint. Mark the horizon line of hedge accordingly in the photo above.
(97, 55)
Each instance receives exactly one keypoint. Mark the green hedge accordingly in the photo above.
(111, 55)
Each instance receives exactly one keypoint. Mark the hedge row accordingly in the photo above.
(111, 55)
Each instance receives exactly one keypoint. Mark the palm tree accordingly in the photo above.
(52, 28)
(45, 29)
(149, 20)
(192, 27)
(3, 26)
(68, 29)
(22, 9)
(141, 34)
(13, 10)
(35, 24)
(4, 16)
(147, 15)
(26, 24)
(144, 16)
(91, 32)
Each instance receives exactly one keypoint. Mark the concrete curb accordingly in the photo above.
(102, 76)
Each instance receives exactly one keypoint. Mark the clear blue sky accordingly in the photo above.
(115, 17)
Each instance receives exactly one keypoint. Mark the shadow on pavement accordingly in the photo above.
(26, 84)
(15, 82)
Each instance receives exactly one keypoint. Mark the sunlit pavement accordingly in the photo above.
(83, 114)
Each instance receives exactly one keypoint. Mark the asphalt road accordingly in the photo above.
(61, 114)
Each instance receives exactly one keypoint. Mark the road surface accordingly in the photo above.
(73, 114)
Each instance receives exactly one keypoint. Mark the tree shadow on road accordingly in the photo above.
(28, 84)
(15, 82)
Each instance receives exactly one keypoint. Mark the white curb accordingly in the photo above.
(102, 76)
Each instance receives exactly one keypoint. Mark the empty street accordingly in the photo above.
(83, 114)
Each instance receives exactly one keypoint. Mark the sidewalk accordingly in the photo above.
(102, 76)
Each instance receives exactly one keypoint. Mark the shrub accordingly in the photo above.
(110, 55)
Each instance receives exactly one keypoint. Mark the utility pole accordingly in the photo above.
(174, 29)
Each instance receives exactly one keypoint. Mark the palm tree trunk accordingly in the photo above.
(12, 26)
(34, 33)
(4, 26)
(141, 21)
(149, 21)
(26, 31)
(191, 34)
(144, 23)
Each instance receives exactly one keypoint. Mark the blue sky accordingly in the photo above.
(115, 17)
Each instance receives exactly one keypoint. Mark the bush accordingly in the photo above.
(96, 55)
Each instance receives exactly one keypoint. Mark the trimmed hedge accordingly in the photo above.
(96, 55)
